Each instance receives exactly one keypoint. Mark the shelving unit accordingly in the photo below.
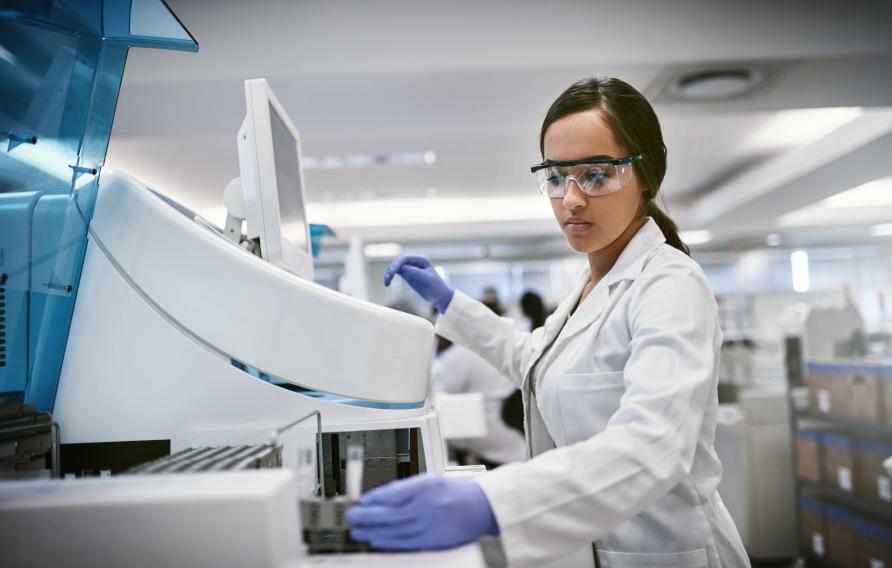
(845, 498)
(806, 419)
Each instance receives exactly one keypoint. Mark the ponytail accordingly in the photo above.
(666, 225)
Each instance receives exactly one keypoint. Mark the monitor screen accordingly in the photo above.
(272, 182)
(291, 207)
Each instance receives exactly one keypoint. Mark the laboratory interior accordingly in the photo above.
(487, 283)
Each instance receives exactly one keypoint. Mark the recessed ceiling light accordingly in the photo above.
(716, 83)
(773, 240)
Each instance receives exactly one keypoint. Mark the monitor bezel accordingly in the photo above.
(260, 190)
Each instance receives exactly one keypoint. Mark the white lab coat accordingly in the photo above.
(458, 370)
(626, 391)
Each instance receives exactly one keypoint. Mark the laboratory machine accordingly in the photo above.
(200, 382)
(214, 344)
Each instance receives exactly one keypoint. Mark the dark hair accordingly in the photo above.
(532, 306)
(634, 125)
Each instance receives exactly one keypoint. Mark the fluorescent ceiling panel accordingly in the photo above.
(792, 128)
(867, 202)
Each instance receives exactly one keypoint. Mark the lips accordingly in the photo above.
(576, 225)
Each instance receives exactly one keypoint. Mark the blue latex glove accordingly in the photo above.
(421, 276)
(425, 512)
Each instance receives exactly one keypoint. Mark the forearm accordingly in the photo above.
(472, 325)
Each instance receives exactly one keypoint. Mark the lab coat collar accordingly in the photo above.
(631, 260)
(627, 267)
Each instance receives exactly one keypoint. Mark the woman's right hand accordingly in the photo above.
(419, 273)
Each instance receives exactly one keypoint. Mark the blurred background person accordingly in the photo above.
(459, 370)
(533, 309)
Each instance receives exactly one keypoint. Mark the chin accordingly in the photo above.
(584, 246)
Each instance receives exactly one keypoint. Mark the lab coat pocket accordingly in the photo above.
(687, 559)
(587, 401)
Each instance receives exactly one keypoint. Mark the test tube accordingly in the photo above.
(355, 455)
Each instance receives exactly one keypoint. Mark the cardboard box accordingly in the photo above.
(829, 388)
(838, 454)
(840, 527)
(874, 545)
(818, 380)
(808, 455)
(811, 525)
(886, 393)
(873, 482)
(865, 401)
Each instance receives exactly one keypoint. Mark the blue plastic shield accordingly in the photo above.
(61, 64)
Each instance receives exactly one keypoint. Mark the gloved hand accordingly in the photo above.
(421, 276)
(426, 512)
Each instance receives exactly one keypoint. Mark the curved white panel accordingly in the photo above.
(254, 312)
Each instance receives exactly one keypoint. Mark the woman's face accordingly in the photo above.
(590, 223)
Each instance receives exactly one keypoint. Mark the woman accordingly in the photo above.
(619, 386)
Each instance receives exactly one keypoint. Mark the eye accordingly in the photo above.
(595, 176)
(554, 179)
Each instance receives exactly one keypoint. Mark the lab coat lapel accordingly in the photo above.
(627, 267)
(556, 321)
(587, 313)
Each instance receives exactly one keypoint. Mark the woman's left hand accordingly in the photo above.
(422, 512)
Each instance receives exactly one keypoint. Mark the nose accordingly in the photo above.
(573, 196)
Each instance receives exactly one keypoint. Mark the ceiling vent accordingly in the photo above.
(707, 83)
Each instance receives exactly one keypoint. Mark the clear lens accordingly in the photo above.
(593, 179)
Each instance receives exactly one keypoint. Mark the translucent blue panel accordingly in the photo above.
(146, 23)
(150, 18)
(60, 75)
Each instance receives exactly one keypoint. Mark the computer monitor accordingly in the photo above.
(272, 181)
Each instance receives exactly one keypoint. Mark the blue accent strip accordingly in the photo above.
(322, 395)
(809, 435)
(874, 447)
(841, 516)
(811, 505)
(848, 368)
(837, 441)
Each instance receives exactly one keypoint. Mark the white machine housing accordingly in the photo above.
(754, 442)
(245, 519)
(169, 313)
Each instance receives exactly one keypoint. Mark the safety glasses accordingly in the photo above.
(595, 176)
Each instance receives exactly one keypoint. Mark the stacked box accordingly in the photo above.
(873, 481)
(886, 391)
(838, 455)
(874, 545)
(818, 379)
(840, 529)
(829, 386)
(865, 402)
(811, 526)
(808, 455)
